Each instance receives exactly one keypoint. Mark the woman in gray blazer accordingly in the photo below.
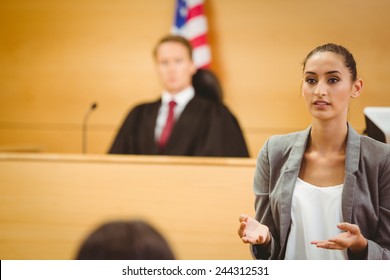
(322, 193)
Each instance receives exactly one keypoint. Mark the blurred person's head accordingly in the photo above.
(125, 240)
(175, 67)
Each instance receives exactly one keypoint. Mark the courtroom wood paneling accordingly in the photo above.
(50, 202)
(57, 57)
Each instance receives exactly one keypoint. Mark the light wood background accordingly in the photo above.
(50, 202)
(57, 57)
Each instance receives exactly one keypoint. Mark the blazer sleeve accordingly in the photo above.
(370, 198)
(379, 248)
(261, 187)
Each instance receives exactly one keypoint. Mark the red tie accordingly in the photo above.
(168, 125)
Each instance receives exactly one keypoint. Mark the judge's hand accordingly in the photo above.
(351, 238)
(252, 232)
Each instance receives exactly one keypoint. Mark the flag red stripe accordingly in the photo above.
(195, 11)
(199, 41)
(205, 66)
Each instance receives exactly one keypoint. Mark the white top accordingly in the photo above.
(181, 98)
(315, 213)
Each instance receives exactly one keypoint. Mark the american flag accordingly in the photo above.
(191, 23)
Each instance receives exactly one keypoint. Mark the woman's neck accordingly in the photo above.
(328, 137)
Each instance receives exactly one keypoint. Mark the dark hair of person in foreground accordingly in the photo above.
(125, 240)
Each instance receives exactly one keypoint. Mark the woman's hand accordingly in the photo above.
(351, 238)
(252, 232)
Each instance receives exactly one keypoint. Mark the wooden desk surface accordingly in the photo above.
(50, 202)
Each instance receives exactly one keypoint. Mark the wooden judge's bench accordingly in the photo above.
(50, 202)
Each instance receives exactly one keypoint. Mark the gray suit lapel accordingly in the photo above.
(351, 166)
(287, 182)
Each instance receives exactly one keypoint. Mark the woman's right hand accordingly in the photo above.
(252, 232)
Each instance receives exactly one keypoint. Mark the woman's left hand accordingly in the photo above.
(351, 238)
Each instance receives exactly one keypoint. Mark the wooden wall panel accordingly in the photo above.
(57, 57)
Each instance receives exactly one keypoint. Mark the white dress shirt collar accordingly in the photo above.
(181, 98)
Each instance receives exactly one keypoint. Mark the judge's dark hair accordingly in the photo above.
(349, 60)
(207, 85)
(125, 240)
(174, 38)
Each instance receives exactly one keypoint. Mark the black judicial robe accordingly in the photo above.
(204, 128)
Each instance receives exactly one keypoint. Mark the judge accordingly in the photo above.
(182, 121)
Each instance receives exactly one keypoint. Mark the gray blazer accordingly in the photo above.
(365, 197)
